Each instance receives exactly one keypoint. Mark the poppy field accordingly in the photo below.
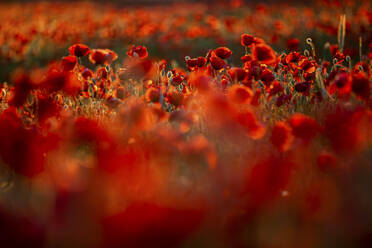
(226, 124)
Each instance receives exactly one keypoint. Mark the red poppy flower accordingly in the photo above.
(240, 94)
(361, 85)
(22, 88)
(276, 88)
(348, 131)
(97, 56)
(246, 40)
(246, 58)
(69, 63)
(362, 67)
(47, 107)
(217, 63)
(195, 63)
(249, 122)
(325, 161)
(307, 65)
(304, 127)
(87, 73)
(237, 73)
(138, 52)
(264, 54)
(152, 94)
(293, 57)
(223, 52)
(341, 84)
(140, 68)
(177, 79)
(110, 56)
(292, 44)
(281, 136)
(102, 56)
(16, 140)
(88, 130)
(201, 61)
(175, 98)
(256, 98)
(303, 87)
(192, 63)
(267, 77)
(57, 80)
(283, 99)
(79, 50)
(201, 82)
(102, 73)
(224, 83)
(333, 49)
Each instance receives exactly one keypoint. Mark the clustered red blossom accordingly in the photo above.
(124, 150)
